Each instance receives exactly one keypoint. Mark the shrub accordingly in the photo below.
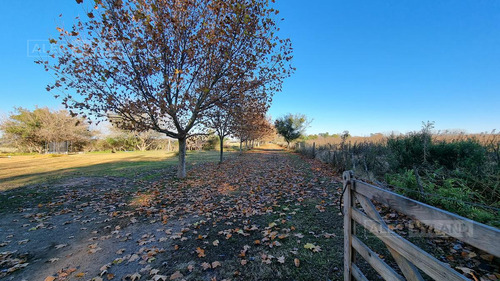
(464, 154)
(211, 143)
(453, 172)
(408, 151)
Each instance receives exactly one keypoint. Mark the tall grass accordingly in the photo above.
(457, 172)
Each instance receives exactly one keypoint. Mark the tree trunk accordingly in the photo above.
(221, 138)
(181, 169)
(241, 145)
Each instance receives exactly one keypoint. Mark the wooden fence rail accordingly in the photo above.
(408, 256)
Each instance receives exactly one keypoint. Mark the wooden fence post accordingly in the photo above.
(314, 150)
(348, 257)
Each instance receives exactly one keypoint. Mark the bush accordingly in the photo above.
(211, 143)
(465, 154)
(452, 173)
(408, 151)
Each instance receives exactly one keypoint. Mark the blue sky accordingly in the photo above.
(363, 66)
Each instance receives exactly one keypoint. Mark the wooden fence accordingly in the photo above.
(408, 256)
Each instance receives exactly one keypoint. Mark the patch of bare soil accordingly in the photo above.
(89, 229)
(200, 228)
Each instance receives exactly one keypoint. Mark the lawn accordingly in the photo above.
(21, 170)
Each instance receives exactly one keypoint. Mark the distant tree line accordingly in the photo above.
(33, 130)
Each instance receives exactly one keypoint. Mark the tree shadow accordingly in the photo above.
(268, 149)
(134, 167)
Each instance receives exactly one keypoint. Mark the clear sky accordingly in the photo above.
(363, 66)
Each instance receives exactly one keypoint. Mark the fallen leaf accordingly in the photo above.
(296, 261)
(135, 276)
(206, 265)
(309, 246)
(71, 270)
(215, 264)
(317, 249)
(465, 270)
(201, 252)
(281, 259)
(160, 277)
(487, 257)
(215, 243)
(329, 235)
(133, 258)
(49, 278)
(312, 247)
(105, 267)
(176, 275)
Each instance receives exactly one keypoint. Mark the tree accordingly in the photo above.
(221, 120)
(238, 117)
(264, 130)
(119, 139)
(31, 130)
(247, 116)
(164, 64)
(291, 126)
(145, 140)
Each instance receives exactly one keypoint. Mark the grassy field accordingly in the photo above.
(264, 215)
(17, 171)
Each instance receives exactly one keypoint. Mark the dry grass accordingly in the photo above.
(483, 139)
(20, 170)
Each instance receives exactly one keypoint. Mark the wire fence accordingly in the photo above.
(369, 161)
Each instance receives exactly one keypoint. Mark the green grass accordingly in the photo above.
(33, 177)
(288, 218)
(19, 171)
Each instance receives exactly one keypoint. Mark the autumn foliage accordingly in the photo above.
(164, 65)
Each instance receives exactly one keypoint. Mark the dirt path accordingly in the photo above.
(264, 215)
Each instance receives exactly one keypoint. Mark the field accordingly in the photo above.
(267, 214)
(19, 170)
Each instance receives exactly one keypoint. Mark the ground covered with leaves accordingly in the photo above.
(264, 215)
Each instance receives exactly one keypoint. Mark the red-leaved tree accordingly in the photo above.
(164, 64)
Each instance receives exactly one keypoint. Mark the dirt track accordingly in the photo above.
(96, 226)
